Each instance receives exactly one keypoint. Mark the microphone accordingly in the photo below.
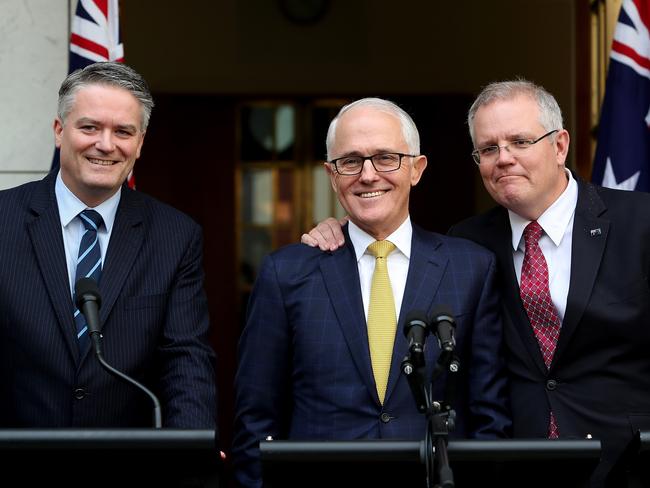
(416, 330)
(88, 300)
(443, 325)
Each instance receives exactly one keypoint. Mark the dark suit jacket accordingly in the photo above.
(599, 380)
(153, 317)
(304, 366)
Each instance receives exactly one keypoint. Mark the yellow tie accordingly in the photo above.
(382, 321)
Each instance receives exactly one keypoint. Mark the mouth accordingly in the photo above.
(371, 194)
(502, 177)
(101, 162)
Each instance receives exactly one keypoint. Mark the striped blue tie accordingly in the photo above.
(89, 265)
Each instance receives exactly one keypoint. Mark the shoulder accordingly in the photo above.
(16, 202)
(452, 245)
(156, 214)
(475, 226)
(296, 256)
(628, 206)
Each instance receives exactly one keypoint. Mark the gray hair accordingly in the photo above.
(107, 73)
(409, 129)
(550, 114)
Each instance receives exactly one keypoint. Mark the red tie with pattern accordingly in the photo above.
(536, 297)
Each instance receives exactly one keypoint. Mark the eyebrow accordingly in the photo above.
(512, 137)
(376, 151)
(88, 120)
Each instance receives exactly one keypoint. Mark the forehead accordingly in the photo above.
(366, 129)
(101, 101)
(513, 116)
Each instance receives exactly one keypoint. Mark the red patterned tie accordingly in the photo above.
(536, 297)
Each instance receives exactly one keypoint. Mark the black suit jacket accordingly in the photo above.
(599, 380)
(153, 317)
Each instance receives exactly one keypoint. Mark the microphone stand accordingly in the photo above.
(96, 337)
(440, 417)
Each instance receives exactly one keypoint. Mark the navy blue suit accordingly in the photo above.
(153, 317)
(304, 366)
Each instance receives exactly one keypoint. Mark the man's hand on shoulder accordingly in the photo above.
(327, 235)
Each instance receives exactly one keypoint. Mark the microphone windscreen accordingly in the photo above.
(442, 312)
(86, 289)
(413, 317)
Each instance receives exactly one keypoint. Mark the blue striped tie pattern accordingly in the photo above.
(89, 265)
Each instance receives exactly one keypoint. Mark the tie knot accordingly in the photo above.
(532, 233)
(91, 219)
(381, 249)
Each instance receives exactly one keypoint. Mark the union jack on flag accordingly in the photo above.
(95, 36)
(623, 152)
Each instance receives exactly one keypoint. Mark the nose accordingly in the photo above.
(505, 155)
(368, 172)
(105, 142)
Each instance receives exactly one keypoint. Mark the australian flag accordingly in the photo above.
(95, 36)
(623, 152)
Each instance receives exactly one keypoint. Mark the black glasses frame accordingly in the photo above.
(334, 162)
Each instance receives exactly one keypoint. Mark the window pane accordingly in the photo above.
(322, 194)
(257, 133)
(257, 196)
(284, 132)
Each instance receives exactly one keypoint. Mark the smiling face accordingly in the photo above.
(376, 202)
(99, 140)
(527, 183)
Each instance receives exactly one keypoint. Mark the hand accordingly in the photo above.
(327, 235)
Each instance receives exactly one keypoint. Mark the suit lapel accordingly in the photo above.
(427, 266)
(341, 277)
(47, 241)
(588, 245)
(126, 239)
(499, 240)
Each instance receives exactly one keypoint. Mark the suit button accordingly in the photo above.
(385, 418)
(551, 385)
(80, 393)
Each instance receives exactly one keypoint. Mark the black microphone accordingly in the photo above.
(443, 325)
(416, 330)
(88, 301)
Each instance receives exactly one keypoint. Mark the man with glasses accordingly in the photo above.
(574, 267)
(321, 351)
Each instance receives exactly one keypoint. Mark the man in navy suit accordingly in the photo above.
(596, 243)
(153, 314)
(307, 367)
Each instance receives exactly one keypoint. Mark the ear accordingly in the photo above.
(562, 141)
(58, 132)
(332, 174)
(419, 165)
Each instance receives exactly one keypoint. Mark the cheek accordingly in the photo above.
(486, 174)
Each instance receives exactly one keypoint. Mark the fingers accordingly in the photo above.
(327, 235)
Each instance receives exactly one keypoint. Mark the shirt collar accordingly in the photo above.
(401, 238)
(70, 206)
(555, 218)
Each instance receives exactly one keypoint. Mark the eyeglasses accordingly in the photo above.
(383, 163)
(489, 154)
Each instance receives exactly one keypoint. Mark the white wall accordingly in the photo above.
(33, 62)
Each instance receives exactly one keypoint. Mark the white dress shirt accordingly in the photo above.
(69, 207)
(555, 243)
(397, 262)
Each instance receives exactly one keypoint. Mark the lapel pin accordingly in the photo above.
(595, 232)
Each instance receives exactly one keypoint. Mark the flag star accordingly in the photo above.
(609, 179)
